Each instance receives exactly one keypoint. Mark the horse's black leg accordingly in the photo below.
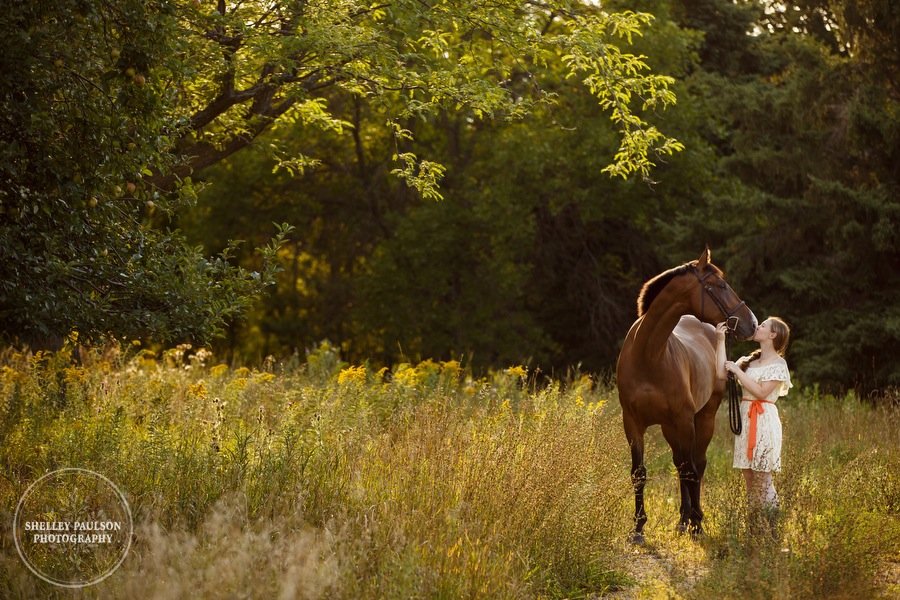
(635, 435)
(704, 426)
(680, 437)
(639, 480)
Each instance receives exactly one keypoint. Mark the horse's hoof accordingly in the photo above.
(695, 531)
(636, 538)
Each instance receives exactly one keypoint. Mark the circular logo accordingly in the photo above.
(73, 528)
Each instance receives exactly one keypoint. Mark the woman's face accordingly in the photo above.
(764, 331)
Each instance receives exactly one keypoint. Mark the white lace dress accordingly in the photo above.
(767, 453)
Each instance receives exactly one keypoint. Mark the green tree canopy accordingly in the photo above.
(80, 127)
(789, 172)
(806, 205)
(534, 254)
(110, 109)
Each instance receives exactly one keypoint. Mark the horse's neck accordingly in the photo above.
(652, 335)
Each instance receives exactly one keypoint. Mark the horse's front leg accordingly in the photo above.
(635, 435)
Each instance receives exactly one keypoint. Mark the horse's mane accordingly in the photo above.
(653, 287)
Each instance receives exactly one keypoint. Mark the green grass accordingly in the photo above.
(315, 480)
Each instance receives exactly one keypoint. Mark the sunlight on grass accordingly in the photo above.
(838, 534)
(318, 479)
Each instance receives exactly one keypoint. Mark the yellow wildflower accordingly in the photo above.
(406, 375)
(352, 375)
(75, 375)
(451, 367)
(595, 406)
(10, 375)
(264, 377)
(199, 390)
(518, 371)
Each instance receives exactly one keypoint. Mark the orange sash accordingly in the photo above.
(756, 409)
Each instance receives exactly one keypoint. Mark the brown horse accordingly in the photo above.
(666, 375)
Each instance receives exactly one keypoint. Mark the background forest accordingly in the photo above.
(788, 116)
(227, 220)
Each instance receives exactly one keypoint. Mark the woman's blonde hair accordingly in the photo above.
(782, 336)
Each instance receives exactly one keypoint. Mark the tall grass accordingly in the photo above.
(838, 534)
(838, 531)
(314, 479)
(321, 480)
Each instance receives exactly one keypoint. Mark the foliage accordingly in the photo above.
(432, 482)
(86, 119)
(806, 208)
(267, 65)
(488, 274)
(788, 173)
(159, 91)
(788, 114)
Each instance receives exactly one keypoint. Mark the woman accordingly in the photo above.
(764, 378)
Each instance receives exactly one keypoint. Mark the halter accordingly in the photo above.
(734, 414)
(729, 314)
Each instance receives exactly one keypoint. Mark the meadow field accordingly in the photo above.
(311, 478)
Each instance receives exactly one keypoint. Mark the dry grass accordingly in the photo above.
(316, 480)
(838, 535)
(324, 482)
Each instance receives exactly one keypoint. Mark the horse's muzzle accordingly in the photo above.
(742, 328)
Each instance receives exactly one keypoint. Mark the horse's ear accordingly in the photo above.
(704, 258)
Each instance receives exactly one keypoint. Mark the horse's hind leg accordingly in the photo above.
(634, 432)
(680, 437)
(704, 425)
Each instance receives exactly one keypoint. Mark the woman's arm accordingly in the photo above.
(750, 385)
(721, 330)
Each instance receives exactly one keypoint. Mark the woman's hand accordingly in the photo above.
(732, 367)
(721, 330)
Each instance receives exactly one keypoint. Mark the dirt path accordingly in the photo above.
(672, 569)
(668, 570)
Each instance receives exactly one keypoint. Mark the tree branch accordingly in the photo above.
(204, 154)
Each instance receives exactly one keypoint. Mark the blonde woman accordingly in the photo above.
(764, 377)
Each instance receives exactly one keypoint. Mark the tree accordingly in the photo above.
(268, 63)
(535, 252)
(81, 126)
(110, 109)
(790, 172)
(806, 206)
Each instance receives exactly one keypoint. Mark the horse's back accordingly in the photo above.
(686, 368)
(693, 346)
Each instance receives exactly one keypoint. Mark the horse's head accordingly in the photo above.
(715, 301)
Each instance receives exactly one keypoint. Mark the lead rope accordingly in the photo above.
(734, 401)
(734, 405)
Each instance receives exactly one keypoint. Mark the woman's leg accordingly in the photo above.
(763, 502)
(760, 489)
(768, 495)
(753, 495)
